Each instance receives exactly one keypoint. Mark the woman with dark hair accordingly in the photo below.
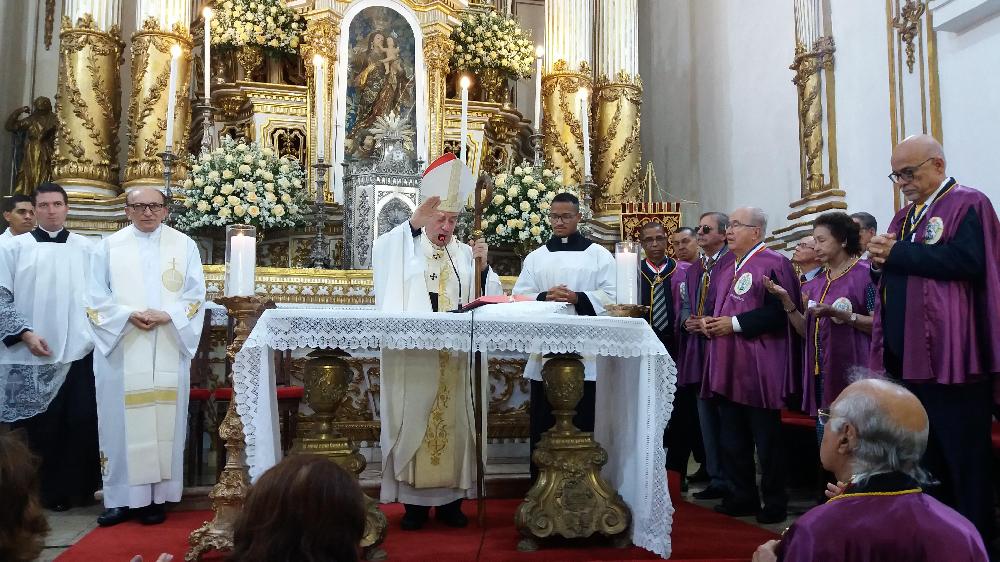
(304, 509)
(22, 523)
(838, 305)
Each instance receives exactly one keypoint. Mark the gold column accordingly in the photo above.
(88, 106)
(437, 52)
(561, 129)
(148, 107)
(618, 158)
(809, 66)
(321, 36)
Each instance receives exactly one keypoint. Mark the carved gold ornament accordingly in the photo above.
(907, 23)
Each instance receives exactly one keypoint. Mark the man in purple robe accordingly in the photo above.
(752, 368)
(697, 299)
(938, 327)
(875, 436)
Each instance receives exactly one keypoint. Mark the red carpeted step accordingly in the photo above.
(699, 534)
(798, 419)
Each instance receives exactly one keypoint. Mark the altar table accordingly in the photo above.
(635, 387)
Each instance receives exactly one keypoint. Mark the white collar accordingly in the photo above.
(52, 234)
(150, 235)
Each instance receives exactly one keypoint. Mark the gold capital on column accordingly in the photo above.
(148, 107)
(88, 106)
(438, 49)
(562, 130)
(618, 162)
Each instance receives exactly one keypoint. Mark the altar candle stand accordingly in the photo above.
(241, 260)
(464, 129)
(207, 17)
(175, 55)
(627, 272)
(585, 129)
(319, 70)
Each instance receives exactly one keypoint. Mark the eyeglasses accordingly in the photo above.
(805, 246)
(143, 207)
(906, 174)
(656, 239)
(704, 229)
(561, 218)
(734, 225)
(823, 415)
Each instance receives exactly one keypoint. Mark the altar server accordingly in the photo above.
(752, 368)
(19, 212)
(938, 326)
(146, 308)
(428, 421)
(568, 268)
(46, 370)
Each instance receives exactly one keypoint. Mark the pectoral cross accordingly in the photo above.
(433, 276)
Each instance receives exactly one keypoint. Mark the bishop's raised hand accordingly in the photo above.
(425, 213)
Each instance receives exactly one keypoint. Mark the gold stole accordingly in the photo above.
(151, 358)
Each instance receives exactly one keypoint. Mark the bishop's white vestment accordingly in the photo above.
(426, 409)
(143, 376)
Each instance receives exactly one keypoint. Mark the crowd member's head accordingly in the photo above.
(146, 207)
(836, 237)
(19, 213)
(22, 523)
(685, 243)
(804, 255)
(304, 508)
(51, 206)
(868, 225)
(654, 241)
(875, 426)
(918, 167)
(711, 231)
(564, 214)
(747, 227)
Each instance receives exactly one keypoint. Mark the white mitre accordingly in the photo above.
(451, 180)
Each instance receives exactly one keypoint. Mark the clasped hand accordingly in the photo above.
(149, 319)
(561, 293)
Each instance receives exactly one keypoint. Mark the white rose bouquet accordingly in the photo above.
(240, 183)
(268, 24)
(517, 215)
(491, 40)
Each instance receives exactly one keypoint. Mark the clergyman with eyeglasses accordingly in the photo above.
(568, 268)
(145, 303)
(937, 328)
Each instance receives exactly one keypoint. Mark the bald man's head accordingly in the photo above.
(918, 166)
(897, 404)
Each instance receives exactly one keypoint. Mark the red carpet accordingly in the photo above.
(699, 534)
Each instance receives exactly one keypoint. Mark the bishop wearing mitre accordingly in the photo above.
(427, 414)
(145, 304)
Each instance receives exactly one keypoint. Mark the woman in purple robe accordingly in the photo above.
(837, 323)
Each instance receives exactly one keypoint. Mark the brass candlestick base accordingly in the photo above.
(569, 499)
(327, 379)
(230, 492)
(627, 310)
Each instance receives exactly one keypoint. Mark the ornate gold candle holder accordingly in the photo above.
(627, 310)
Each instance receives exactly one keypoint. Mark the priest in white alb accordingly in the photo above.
(427, 414)
(572, 269)
(145, 305)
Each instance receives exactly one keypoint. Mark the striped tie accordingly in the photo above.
(661, 320)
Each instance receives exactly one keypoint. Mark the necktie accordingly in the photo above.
(661, 319)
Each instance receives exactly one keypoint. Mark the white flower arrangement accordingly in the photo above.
(491, 40)
(268, 24)
(517, 215)
(240, 183)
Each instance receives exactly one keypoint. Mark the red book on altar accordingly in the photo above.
(495, 299)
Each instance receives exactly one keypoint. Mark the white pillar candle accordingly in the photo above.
(539, 53)
(627, 273)
(464, 129)
(585, 127)
(242, 266)
(175, 55)
(319, 71)
(207, 15)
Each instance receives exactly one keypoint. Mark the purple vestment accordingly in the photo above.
(911, 527)
(952, 328)
(691, 350)
(841, 345)
(761, 371)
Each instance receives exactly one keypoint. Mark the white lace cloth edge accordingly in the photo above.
(641, 403)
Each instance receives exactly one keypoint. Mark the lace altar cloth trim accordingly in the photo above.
(642, 383)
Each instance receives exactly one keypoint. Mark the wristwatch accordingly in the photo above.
(854, 317)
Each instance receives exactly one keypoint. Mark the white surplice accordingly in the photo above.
(583, 268)
(46, 282)
(109, 322)
(426, 410)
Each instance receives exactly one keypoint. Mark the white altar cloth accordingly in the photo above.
(634, 392)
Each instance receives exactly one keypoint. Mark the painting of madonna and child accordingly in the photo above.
(381, 91)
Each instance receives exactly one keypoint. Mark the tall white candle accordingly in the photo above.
(207, 16)
(585, 126)
(319, 70)
(175, 55)
(464, 130)
(539, 53)
(242, 265)
(627, 277)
